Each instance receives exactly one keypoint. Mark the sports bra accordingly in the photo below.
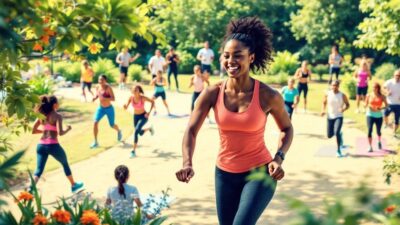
(375, 102)
(304, 75)
(137, 105)
(104, 93)
(49, 140)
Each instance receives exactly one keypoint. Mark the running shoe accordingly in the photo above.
(133, 154)
(379, 145)
(76, 186)
(339, 154)
(94, 145)
(151, 130)
(119, 136)
(370, 149)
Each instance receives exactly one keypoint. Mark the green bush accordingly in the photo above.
(187, 62)
(71, 71)
(385, 71)
(106, 67)
(41, 85)
(280, 78)
(349, 85)
(284, 62)
(135, 72)
(320, 69)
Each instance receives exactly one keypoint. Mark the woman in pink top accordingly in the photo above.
(241, 105)
(363, 74)
(197, 81)
(52, 126)
(140, 116)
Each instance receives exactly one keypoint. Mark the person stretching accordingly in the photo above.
(140, 116)
(105, 95)
(52, 123)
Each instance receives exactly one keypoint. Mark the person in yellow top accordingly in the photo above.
(86, 78)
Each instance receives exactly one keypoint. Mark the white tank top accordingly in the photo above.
(335, 103)
(198, 84)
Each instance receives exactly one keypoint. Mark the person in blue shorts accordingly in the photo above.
(290, 96)
(105, 95)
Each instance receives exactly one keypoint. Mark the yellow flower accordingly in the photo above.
(90, 217)
(62, 216)
(40, 220)
(95, 48)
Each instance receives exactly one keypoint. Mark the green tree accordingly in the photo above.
(324, 22)
(381, 29)
(44, 27)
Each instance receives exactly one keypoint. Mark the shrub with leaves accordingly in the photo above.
(321, 69)
(135, 72)
(71, 71)
(385, 71)
(391, 166)
(106, 67)
(42, 85)
(284, 62)
(349, 85)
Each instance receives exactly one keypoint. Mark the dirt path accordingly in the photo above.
(308, 177)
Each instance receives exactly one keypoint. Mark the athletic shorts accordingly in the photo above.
(124, 70)
(362, 90)
(205, 67)
(160, 94)
(393, 109)
(105, 111)
(86, 84)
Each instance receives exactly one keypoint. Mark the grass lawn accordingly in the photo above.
(79, 115)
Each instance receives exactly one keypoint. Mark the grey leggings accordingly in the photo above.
(240, 201)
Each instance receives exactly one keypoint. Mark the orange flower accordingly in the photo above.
(25, 196)
(45, 39)
(49, 32)
(46, 58)
(90, 217)
(37, 47)
(390, 208)
(37, 3)
(40, 220)
(46, 19)
(62, 216)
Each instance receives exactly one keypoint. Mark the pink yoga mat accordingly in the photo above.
(362, 147)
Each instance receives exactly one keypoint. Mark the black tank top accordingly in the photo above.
(171, 58)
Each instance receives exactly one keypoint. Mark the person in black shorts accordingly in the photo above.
(303, 74)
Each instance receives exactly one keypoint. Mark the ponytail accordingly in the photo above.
(46, 104)
(121, 174)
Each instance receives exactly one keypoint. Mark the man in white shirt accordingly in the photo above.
(392, 88)
(123, 59)
(156, 63)
(206, 56)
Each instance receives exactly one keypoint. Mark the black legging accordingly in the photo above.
(335, 128)
(175, 72)
(371, 121)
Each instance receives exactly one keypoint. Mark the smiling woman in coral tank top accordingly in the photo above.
(241, 105)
